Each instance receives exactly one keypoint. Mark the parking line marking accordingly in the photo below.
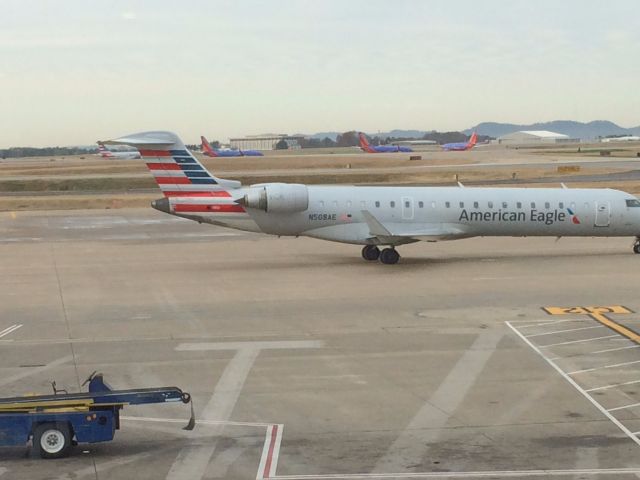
(578, 341)
(612, 386)
(624, 407)
(605, 366)
(575, 385)
(270, 452)
(564, 331)
(10, 329)
(611, 350)
(621, 329)
(551, 322)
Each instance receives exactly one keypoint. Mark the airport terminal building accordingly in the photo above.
(267, 141)
(535, 137)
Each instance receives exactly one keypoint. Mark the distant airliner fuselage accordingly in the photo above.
(380, 216)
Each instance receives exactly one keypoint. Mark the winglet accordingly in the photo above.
(375, 227)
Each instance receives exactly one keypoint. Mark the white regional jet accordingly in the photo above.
(379, 216)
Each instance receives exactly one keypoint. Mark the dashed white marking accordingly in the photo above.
(579, 341)
(575, 385)
(612, 386)
(10, 329)
(565, 331)
(604, 366)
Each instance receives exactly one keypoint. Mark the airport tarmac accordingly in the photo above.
(306, 362)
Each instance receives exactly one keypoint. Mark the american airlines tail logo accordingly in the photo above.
(574, 217)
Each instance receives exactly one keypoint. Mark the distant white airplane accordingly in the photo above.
(104, 153)
(379, 216)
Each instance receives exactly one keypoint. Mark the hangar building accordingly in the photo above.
(265, 141)
(534, 137)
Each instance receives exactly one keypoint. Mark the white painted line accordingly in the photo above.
(198, 422)
(624, 407)
(611, 350)
(612, 386)
(270, 452)
(565, 331)
(202, 346)
(571, 381)
(412, 444)
(544, 323)
(10, 329)
(480, 474)
(605, 366)
(579, 341)
(34, 371)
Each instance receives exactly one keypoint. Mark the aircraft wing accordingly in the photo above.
(427, 232)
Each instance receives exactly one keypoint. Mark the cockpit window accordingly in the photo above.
(633, 203)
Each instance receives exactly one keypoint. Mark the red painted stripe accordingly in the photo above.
(173, 180)
(220, 193)
(272, 444)
(222, 208)
(163, 166)
(155, 153)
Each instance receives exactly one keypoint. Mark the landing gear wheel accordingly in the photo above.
(389, 256)
(370, 252)
(636, 248)
(52, 440)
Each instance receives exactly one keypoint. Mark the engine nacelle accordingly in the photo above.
(277, 198)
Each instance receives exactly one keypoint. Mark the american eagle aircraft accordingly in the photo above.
(375, 216)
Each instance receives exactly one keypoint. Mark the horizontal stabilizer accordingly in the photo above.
(148, 139)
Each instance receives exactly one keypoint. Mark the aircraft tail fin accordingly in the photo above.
(206, 148)
(177, 172)
(473, 140)
(102, 150)
(364, 144)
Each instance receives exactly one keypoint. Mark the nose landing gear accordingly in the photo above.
(636, 246)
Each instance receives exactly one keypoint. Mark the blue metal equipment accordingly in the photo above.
(58, 421)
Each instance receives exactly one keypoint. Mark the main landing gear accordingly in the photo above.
(636, 246)
(388, 256)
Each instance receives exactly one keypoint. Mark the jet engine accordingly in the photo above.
(277, 197)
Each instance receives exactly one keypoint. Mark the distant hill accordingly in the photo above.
(591, 130)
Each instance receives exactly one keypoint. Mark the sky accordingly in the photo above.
(76, 71)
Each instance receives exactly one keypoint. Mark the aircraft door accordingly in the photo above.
(407, 208)
(603, 214)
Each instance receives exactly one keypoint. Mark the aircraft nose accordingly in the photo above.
(162, 205)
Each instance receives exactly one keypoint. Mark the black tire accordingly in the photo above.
(370, 253)
(389, 256)
(636, 248)
(52, 440)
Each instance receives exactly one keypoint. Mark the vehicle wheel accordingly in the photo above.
(389, 256)
(52, 440)
(636, 248)
(370, 252)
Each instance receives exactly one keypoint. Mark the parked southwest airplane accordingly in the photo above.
(211, 152)
(379, 216)
(364, 145)
(461, 146)
(104, 153)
